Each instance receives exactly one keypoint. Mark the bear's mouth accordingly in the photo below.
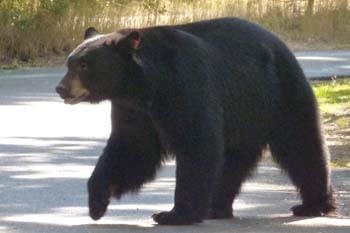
(76, 99)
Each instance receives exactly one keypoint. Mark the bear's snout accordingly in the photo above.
(62, 91)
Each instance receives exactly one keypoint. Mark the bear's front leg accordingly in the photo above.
(131, 158)
(121, 169)
(99, 188)
(195, 174)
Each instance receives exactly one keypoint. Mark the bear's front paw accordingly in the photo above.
(314, 210)
(174, 218)
(98, 207)
(99, 198)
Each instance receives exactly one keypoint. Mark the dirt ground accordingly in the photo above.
(338, 140)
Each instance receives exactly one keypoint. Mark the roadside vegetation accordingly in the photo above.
(39, 29)
(334, 101)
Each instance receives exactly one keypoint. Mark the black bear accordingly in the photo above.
(214, 94)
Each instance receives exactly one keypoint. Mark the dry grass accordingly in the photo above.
(33, 28)
(334, 101)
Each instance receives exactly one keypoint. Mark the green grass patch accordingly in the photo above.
(340, 163)
(336, 92)
(334, 100)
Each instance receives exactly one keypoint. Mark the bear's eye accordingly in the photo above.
(83, 65)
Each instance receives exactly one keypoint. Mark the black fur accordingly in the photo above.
(136, 152)
(213, 93)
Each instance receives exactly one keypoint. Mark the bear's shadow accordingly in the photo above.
(245, 224)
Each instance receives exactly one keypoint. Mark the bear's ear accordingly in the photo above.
(126, 44)
(90, 32)
(130, 41)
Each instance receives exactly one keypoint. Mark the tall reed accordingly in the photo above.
(33, 28)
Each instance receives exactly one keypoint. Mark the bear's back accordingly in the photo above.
(246, 67)
(247, 74)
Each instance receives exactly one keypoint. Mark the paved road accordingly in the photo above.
(48, 150)
(320, 64)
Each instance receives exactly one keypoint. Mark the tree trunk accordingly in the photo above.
(310, 7)
(156, 12)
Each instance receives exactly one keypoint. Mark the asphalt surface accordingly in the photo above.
(48, 150)
(324, 64)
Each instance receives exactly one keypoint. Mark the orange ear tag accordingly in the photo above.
(135, 43)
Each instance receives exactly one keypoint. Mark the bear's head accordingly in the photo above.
(103, 66)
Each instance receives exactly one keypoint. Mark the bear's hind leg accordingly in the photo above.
(298, 147)
(196, 172)
(237, 167)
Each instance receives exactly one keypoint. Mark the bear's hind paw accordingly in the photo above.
(219, 214)
(314, 210)
(174, 218)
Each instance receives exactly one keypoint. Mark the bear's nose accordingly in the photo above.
(62, 90)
